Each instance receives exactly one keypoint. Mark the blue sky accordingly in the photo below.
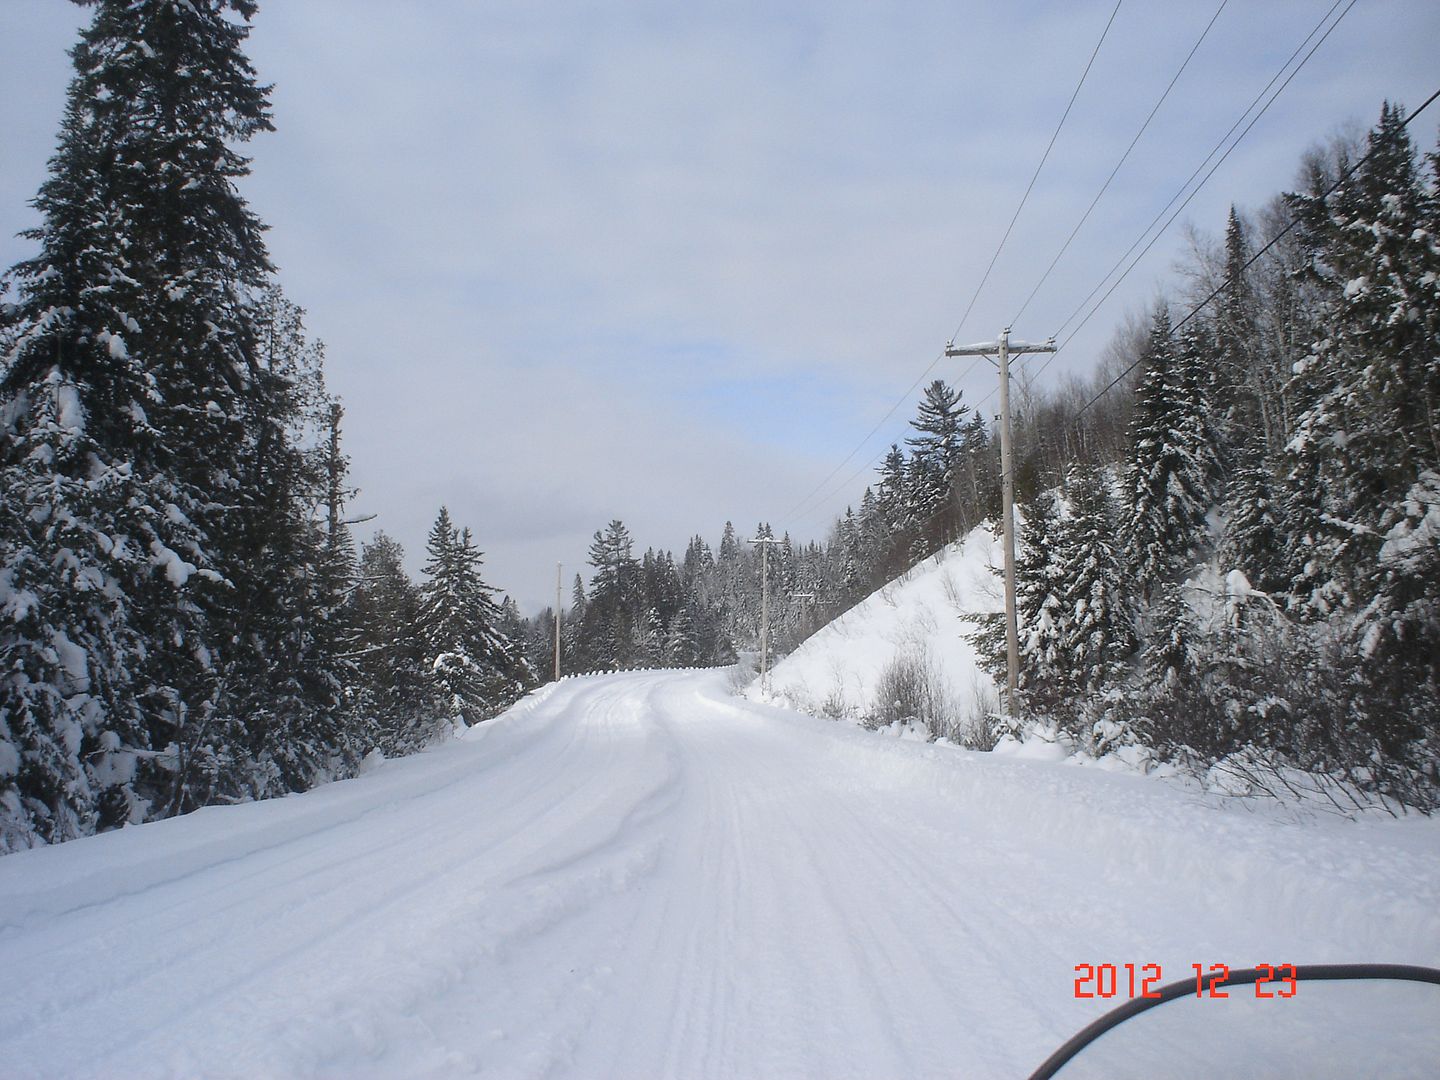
(669, 263)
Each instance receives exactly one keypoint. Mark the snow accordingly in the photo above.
(16, 604)
(70, 413)
(1356, 287)
(641, 875)
(1417, 536)
(1238, 587)
(176, 568)
(72, 659)
(837, 670)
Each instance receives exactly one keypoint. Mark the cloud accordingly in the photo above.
(670, 262)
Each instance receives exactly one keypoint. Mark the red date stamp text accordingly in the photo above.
(1144, 980)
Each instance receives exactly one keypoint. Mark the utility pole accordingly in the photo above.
(765, 543)
(1005, 347)
(559, 572)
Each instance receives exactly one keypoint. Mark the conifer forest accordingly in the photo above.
(1229, 544)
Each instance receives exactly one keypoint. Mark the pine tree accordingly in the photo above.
(398, 693)
(1040, 612)
(1255, 540)
(479, 669)
(614, 618)
(979, 474)
(681, 641)
(1097, 634)
(650, 639)
(940, 423)
(1039, 602)
(287, 677)
(1370, 391)
(896, 518)
(129, 387)
(576, 655)
(1165, 483)
(1237, 379)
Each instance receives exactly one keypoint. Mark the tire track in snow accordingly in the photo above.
(325, 910)
(266, 893)
(636, 875)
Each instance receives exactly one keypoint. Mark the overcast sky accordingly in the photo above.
(669, 262)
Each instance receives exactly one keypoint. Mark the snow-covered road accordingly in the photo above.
(643, 876)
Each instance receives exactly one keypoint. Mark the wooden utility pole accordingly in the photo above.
(1005, 347)
(765, 542)
(559, 573)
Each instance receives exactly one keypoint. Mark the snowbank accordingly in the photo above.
(838, 671)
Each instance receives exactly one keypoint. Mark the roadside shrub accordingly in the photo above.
(911, 691)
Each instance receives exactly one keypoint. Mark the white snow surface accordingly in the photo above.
(641, 875)
(837, 670)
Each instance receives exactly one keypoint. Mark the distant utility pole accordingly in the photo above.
(1005, 347)
(559, 572)
(765, 543)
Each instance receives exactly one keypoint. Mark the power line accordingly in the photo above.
(975, 296)
(870, 463)
(1123, 157)
(1043, 158)
(1254, 258)
(790, 514)
(1223, 139)
(1201, 167)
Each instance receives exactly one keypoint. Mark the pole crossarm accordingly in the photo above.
(985, 348)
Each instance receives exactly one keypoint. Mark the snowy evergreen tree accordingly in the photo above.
(614, 619)
(398, 692)
(682, 646)
(1096, 631)
(1371, 389)
(1040, 612)
(1255, 538)
(129, 390)
(1166, 494)
(940, 424)
(575, 652)
(979, 474)
(1237, 378)
(477, 667)
(1040, 602)
(650, 639)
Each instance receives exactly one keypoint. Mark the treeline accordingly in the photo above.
(182, 617)
(1254, 577)
(705, 607)
(654, 611)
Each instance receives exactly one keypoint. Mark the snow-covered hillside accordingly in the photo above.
(838, 671)
(642, 875)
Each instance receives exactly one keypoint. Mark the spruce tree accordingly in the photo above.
(614, 619)
(681, 641)
(940, 423)
(398, 694)
(1096, 632)
(1040, 612)
(129, 387)
(1165, 485)
(478, 668)
(1237, 378)
(1255, 539)
(1370, 392)
(1040, 602)
(287, 677)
